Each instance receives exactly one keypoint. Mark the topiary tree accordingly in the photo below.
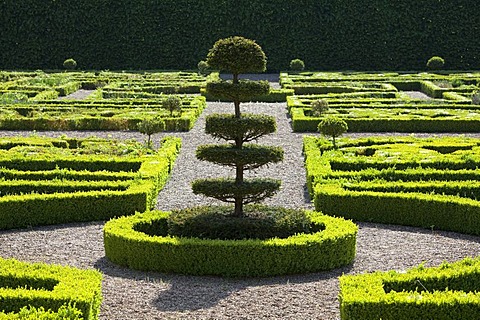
(435, 63)
(238, 55)
(319, 107)
(151, 126)
(172, 104)
(70, 64)
(297, 65)
(332, 127)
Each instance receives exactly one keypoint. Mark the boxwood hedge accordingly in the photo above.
(124, 245)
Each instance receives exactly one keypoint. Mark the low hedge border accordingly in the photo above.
(19, 211)
(65, 312)
(98, 115)
(337, 194)
(304, 123)
(447, 292)
(49, 286)
(331, 248)
(275, 95)
(443, 212)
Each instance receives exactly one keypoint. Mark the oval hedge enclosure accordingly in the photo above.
(330, 248)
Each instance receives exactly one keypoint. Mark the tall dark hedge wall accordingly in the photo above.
(176, 34)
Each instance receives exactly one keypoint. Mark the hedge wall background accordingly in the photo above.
(176, 34)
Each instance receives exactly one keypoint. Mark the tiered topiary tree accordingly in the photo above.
(238, 55)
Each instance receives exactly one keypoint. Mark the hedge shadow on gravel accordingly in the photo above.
(209, 290)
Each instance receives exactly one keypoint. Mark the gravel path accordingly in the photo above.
(130, 294)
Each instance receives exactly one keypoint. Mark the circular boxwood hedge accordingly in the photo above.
(129, 242)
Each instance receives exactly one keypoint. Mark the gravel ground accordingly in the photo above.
(130, 294)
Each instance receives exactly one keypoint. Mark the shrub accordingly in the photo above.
(297, 65)
(319, 107)
(238, 55)
(203, 68)
(332, 127)
(173, 104)
(126, 244)
(435, 63)
(70, 64)
(259, 222)
(151, 126)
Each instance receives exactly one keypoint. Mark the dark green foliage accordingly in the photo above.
(332, 127)
(249, 127)
(259, 222)
(319, 107)
(297, 65)
(126, 245)
(151, 126)
(173, 104)
(70, 64)
(242, 91)
(203, 67)
(249, 156)
(237, 55)
(227, 190)
(435, 63)
(333, 35)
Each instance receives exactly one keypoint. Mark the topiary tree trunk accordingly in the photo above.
(238, 55)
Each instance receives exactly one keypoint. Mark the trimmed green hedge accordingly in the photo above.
(151, 175)
(362, 180)
(331, 248)
(447, 292)
(411, 209)
(49, 286)
(109, 114)
(327, 35)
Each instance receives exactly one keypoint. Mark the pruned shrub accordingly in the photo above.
(69, 64)
(319, 107)
(297, 65)
(435, 63)
(173, 104)
(332, 127)
(259, 222)
(151, 126)
(238, 55)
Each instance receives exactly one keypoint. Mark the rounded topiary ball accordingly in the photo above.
(70, 64)
(297, 65)
(435, 63)
(237, 55)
